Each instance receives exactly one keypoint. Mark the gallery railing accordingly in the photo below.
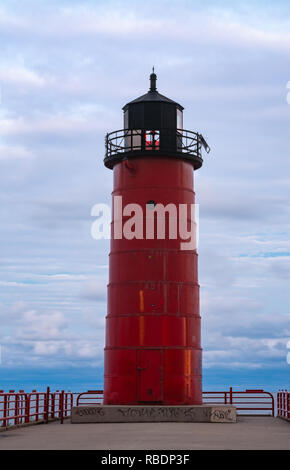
(172, 142)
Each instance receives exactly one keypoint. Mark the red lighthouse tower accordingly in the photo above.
(153, 353)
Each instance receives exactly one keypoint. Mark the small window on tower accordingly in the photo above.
(150, 205)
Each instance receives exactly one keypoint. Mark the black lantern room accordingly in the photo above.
(153, 126)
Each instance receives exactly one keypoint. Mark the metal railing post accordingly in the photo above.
(16, 408)
(52, 405)
(27, 408)
(61, 401)
(46, 405)
(65, 405)
(37, 406)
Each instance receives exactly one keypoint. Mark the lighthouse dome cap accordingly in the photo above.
(153, 95)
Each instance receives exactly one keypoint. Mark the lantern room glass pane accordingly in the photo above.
(133, 140)
(126, 119)
(151, 140)
(179, 119)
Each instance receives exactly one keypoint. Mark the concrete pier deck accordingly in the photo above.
(250, 432)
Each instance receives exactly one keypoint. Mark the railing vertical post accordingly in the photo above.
(46, 405)
(16, 408)
(27, 408)
(273, 406)
(21, 407)
(8, 406)
(61, 401)
(231, 395)
(65, 404)
(36, 407)
(52, 405)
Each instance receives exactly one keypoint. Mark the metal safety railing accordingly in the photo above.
(253, 401)
(283, 404)
(250, 401)
(86, 398)
(159, 140)
(18, 408)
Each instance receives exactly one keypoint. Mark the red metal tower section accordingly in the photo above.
(153, 352)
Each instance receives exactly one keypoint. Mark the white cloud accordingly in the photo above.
(95, 290)
(8, 152)
(11, 283)
(65, 277)
(66, 349)
(36, 325)
(20, 75)
(124, 21)
(59, 125)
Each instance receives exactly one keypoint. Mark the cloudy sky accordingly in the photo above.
(66, 69)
